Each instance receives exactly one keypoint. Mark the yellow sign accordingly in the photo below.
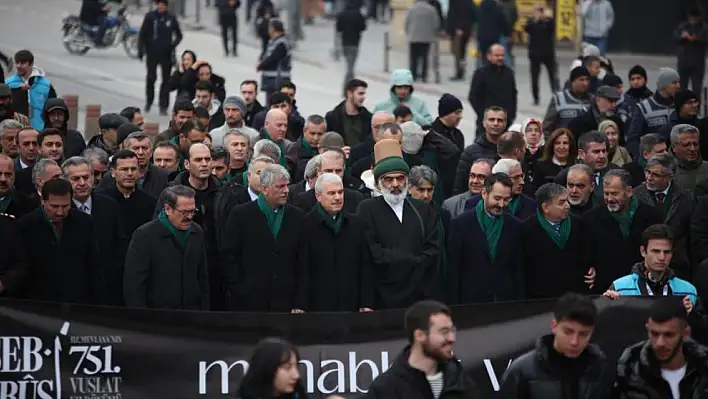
(566, 20)
(524, 9)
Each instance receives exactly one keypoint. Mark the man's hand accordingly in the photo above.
(684, 35)
(363, 310)
(297, 311)
(612, 294)
(686, 303)
(347, 150)
(24, 86)
(590, 277)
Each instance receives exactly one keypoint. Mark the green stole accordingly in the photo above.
(642, 162)
(5, 202)
(282, 161)
(311, 152)
(560, 236)
(57, 232)
(274, 219)
(492, 228)
(513, 207)
(181, 236)
(244, 179)
(333, 223)
(624, 220)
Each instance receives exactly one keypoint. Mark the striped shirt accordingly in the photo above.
(436, 383)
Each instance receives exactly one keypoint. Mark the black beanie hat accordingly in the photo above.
(579, 72)
(611, 80)
(125, 130)
(638, 70)
(682, 97)
(448, 104)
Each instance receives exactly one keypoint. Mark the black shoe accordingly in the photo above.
(163, 112)
(234, 53)
(146, 109)
(536, 103)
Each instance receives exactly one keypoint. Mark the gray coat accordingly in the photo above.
(690, 174)
(456, 204)
(678, 218)
(160, 275)
(422, 23)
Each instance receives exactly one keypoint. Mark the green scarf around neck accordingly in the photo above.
(514, 206)
(307, 148)
(642, 162)
(560, 236)
(244, 179)
(57, 232)
(333, 223)
(274, 219)
(624, 219)
(492, 228)
(5, 202)
(282, 161)
(181, 236)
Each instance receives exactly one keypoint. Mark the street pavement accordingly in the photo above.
(110, 78)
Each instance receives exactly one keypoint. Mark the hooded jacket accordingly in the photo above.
(637, 284)
(405, 382)
(404, 77)
(74, 143)
(31, 102)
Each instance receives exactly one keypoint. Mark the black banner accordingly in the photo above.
(64, 351)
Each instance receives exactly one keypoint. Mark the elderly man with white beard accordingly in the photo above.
(402, 234)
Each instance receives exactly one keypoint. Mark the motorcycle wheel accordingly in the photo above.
(72, 41)
(130, 44)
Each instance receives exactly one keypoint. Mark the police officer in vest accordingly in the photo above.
(625, 103)
(568, 104)
(275, 65)
(654, 112)
(653, 277)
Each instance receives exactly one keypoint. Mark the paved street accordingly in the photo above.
(110, 78)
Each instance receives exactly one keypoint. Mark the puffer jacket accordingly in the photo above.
(639, 373)
(404, 77)
(544, 374)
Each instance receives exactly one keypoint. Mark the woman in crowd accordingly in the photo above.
(186, 61)
(559, 153)
(533, 132)
(272, 372)
(616, 154)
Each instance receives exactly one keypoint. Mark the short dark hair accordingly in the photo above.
(167, 144)
(220, 153)
(393, 127)
(182, 105)
(592, 136)
(24, 56)
(402, 111)
(191, 125)
(494, 178)
(46, 133)
(129, 112)
(288, 85)
(648, 141)
(666, 308)
(657, 232)
(56, 187)
(510, 141)
(494, 108)
(122, 154)
(201, 112)
(418, 316)
(278, 98)
(249, 82)
(355, 84)
(575, 307)
(204, 85)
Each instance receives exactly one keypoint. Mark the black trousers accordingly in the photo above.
(551, 67)
(695, 75)
(459, 51)
(229, 25)
(165, 63)
(418, 55)
(249, 9)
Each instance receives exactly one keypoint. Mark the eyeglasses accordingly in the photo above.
(477, 176)
(186, 212)
(655, 175)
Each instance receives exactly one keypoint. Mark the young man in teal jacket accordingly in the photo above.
(402, 93)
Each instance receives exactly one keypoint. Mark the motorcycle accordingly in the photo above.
(79, 37)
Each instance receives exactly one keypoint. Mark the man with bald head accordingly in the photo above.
(12, 202)
(197, 175)
(274, 129)
(493, 85)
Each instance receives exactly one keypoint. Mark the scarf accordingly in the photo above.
(642, 162)
(307, 148)
(244, 179)
(332, 223)
(5, 202)
(492, 228)
(55, 229)
(274, 219)
(624, 220)
(180, 236)
(560, 236)
(513, 206)
(280, 145)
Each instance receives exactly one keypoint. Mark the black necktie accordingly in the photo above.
(660, 197)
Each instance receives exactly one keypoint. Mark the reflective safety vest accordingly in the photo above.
(568, 107)
(656, 115)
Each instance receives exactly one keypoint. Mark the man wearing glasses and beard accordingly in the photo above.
(428, 360)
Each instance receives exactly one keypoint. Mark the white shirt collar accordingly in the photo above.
(665, 192)
(88, 204)
(253, 195)
(397, 209)
(307, 186)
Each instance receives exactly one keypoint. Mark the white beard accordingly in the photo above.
(393, 199)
